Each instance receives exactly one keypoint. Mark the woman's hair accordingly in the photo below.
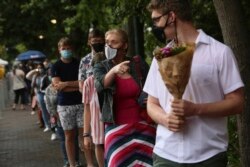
(65, 41)
(180, 7)
(121, 33)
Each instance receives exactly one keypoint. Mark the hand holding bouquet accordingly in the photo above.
(174, 66)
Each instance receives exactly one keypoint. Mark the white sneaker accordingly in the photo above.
(46, 129)
(53, 136)
(32, 113)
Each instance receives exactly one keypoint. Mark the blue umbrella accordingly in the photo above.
(30, 55)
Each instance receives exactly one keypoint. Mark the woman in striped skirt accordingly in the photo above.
(129, 139)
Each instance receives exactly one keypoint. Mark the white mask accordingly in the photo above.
(110, 53)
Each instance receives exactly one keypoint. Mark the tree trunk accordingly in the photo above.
(233, 24)
(136, 37)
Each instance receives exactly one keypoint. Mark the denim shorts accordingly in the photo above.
(219, 160)
(71, 116)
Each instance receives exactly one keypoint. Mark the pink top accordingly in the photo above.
(89, 96)
(126, 107)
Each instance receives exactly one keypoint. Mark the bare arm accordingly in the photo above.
(86, 126)
(118, 69)
(30, 74)
(233, 103)
(66, 86)
(81, 85)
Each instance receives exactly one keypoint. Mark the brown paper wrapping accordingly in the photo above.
(175, 70)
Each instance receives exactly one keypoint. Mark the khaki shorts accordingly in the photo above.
(71, 116)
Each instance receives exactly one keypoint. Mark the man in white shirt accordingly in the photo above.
(214, 91)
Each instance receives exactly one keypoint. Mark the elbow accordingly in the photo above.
(241, 107)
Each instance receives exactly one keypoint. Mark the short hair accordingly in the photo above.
(95, 33)
(181, 8)
(123, 34)
(65, 41)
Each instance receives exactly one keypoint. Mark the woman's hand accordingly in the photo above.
(121, 68)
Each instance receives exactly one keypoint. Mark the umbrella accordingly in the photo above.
(3, 62)
(29, 55)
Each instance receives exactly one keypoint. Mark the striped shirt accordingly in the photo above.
(89, 96)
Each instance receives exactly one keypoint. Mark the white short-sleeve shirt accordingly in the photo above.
(214, 73)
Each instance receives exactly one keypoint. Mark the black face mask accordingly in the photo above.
(159, 33)
(98, 47)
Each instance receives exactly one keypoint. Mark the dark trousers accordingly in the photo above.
(219, 160)
(19, 93)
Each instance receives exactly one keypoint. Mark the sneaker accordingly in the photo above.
(53, 136)
(32, 112)
(46, 129)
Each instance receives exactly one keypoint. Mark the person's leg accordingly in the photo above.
(67, 116)
(23, 98)
(60, 133)
(45, 114)
(16, 99)
(76, 146)
(99, 153)
(70, 146)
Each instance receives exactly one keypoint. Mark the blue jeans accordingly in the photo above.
(45, 114)
(60, 133)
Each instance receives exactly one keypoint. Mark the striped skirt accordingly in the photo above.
(129, 145)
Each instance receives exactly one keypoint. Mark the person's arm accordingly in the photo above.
(81, 85)
(66, 86)
(118, 69)
(86, 115)
(233, 103)
(80, 73)
(167, 119)
(31, 73)
(86, 127)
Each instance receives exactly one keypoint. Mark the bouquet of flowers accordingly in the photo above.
(174, 66)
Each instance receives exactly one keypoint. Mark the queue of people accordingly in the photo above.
(95, 101)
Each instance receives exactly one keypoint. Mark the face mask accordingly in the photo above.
(159, 32)
(98, 47)
(67, 54)
(110, 53)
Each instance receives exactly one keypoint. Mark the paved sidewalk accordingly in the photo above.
(24, 144)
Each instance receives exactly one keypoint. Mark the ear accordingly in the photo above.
(125, 46)
(172, 17)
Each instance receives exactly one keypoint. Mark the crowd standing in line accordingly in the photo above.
(214, 91)
(110, 112)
